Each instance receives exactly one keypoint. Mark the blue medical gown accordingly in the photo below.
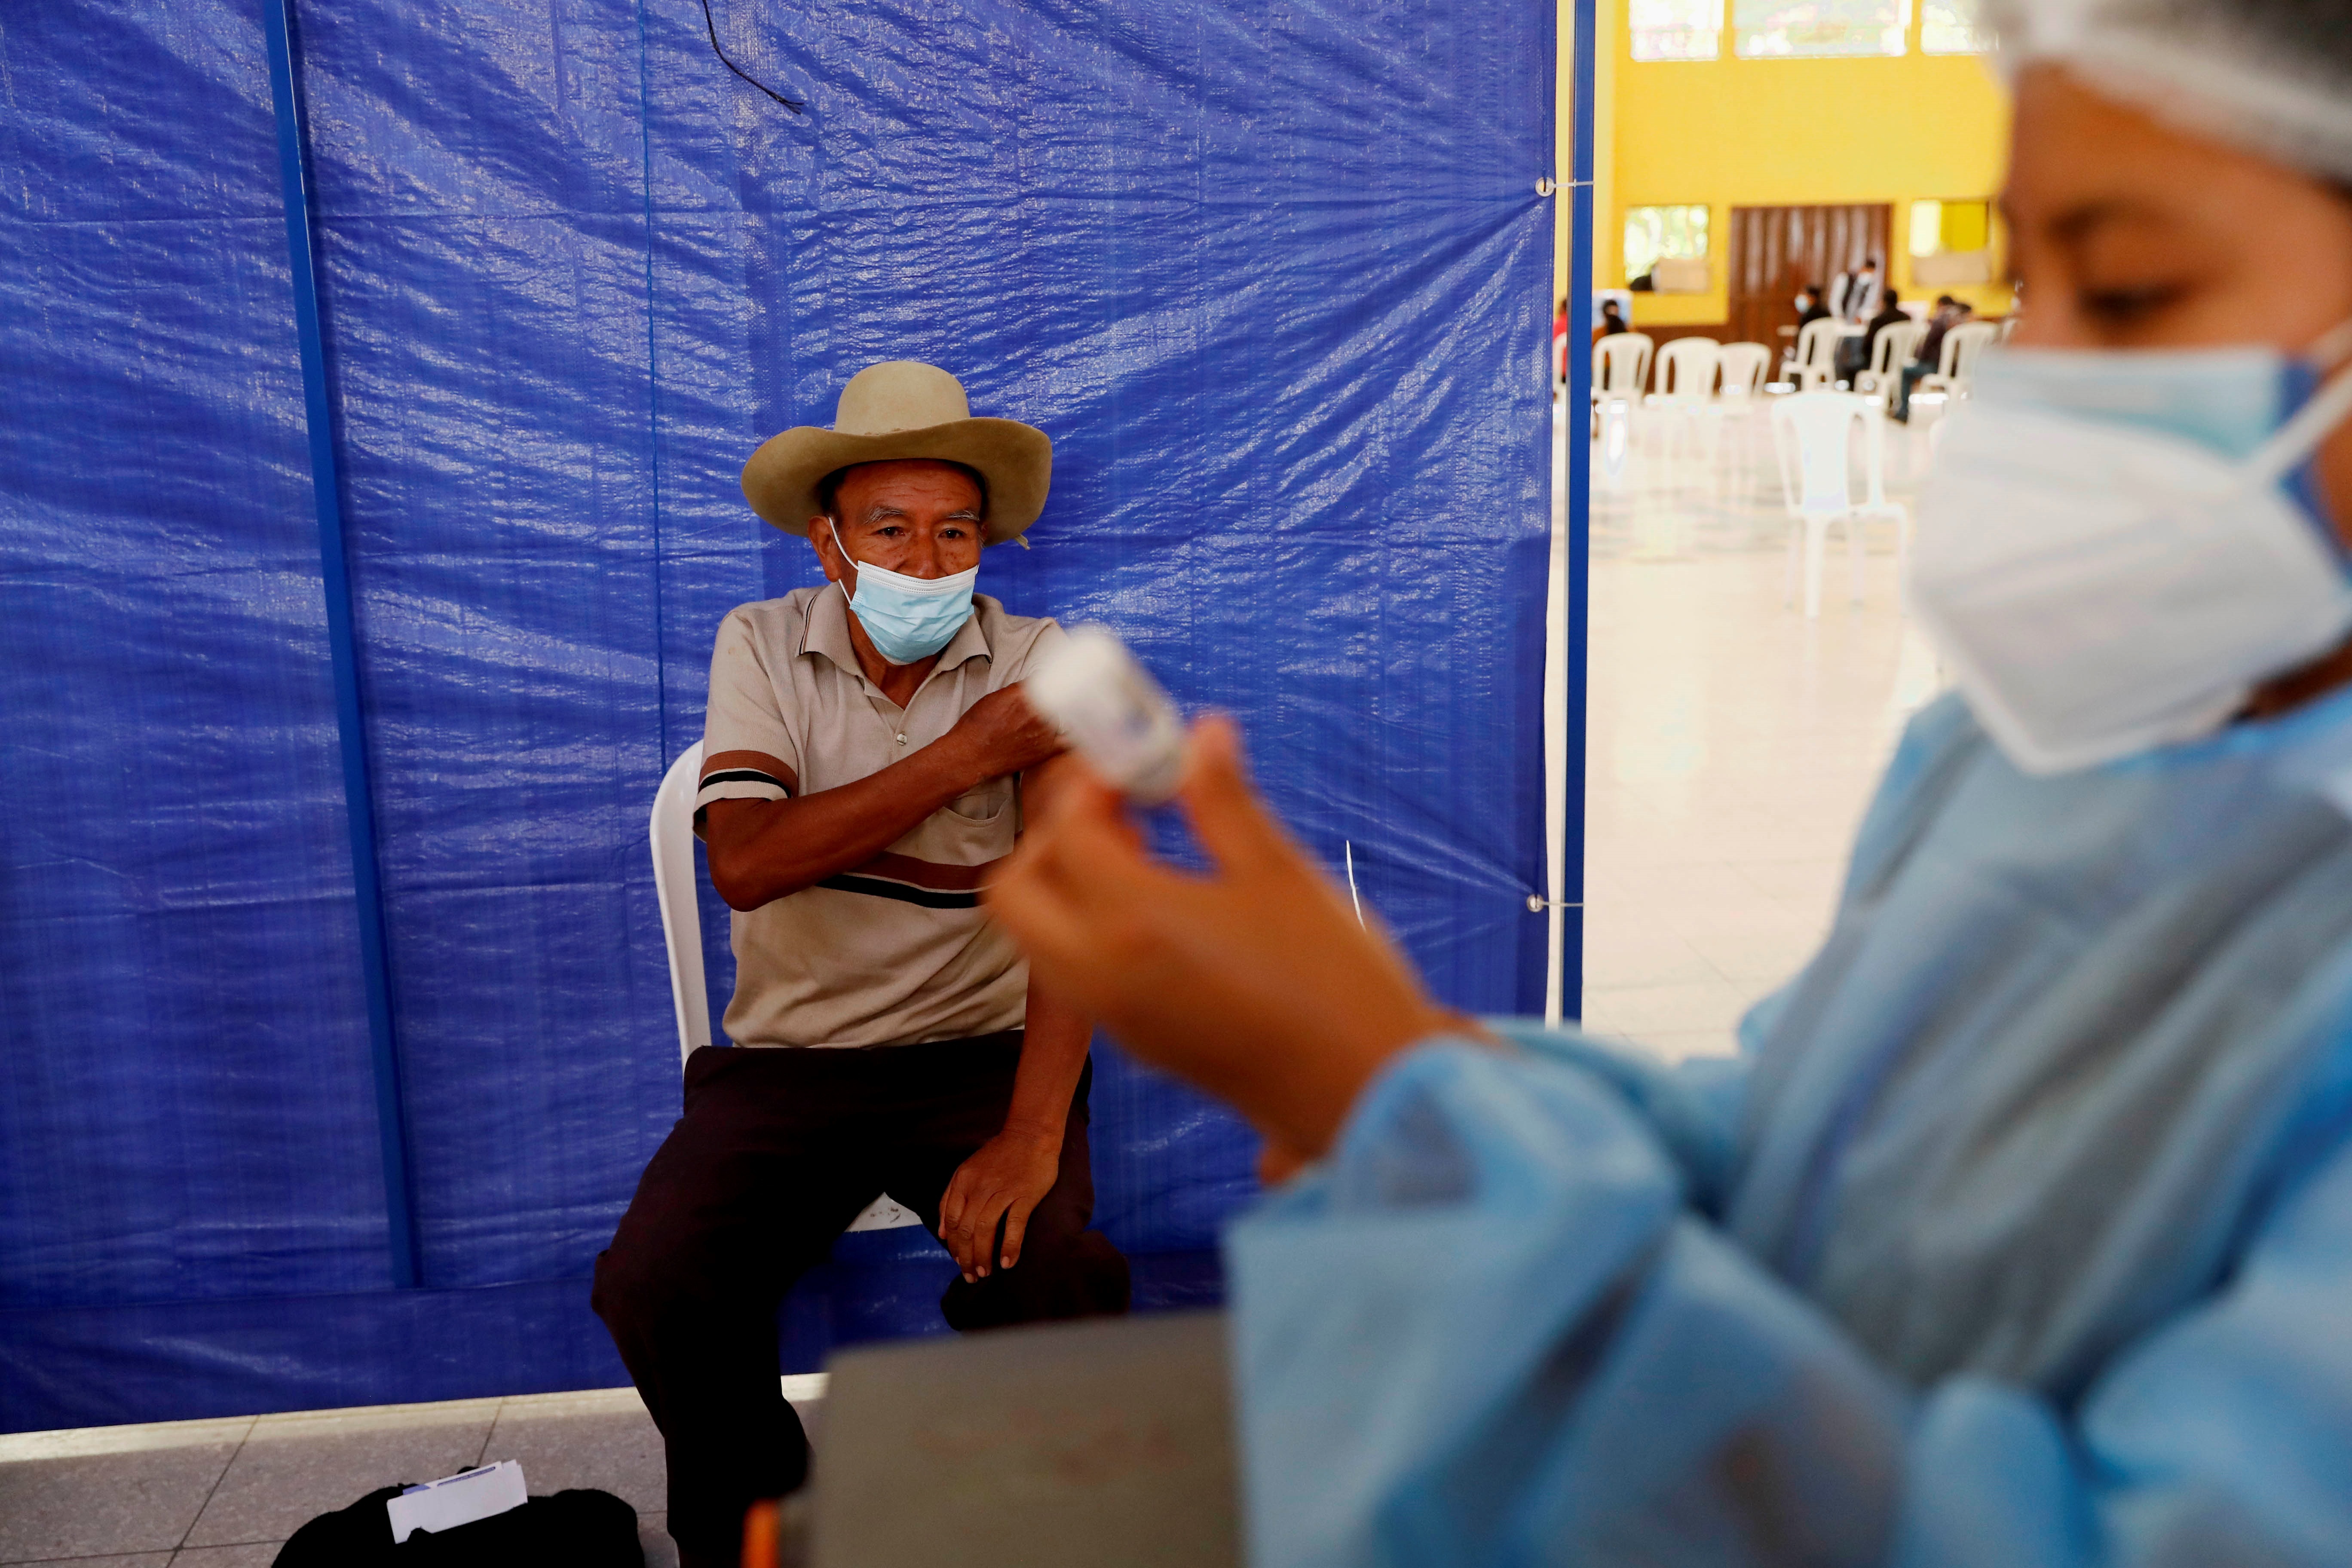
(2019, 1232)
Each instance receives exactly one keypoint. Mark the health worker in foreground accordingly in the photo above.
(2020, 1232)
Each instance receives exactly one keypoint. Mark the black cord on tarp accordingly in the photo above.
(738, 70)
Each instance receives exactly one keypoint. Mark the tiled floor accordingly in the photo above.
(226, 1494)
(1732, 743)
(1732, 747)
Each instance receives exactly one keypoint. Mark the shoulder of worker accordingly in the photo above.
(1016, 644)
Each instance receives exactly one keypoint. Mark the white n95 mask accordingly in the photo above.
(2111, 552)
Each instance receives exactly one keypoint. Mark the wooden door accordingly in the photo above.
(1774, 251)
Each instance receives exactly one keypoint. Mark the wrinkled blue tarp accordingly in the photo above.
(1273, 278)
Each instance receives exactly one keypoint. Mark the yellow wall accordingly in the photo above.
(1771, 132)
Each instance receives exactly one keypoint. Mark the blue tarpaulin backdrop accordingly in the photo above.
(1273, 278)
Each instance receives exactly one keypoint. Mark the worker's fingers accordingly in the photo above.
(1085, 860)
(1016, 1226)
(1232, 824)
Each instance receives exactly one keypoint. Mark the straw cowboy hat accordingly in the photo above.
(903, 409)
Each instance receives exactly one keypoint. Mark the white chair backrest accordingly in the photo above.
(1743, 366)
(1963, 343)
(1620, 363)
(1817, 350)
(1686, 369)
(681, 912)
(1897, 345)
(1812, 435)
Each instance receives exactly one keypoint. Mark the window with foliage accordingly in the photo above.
(1663, 234)
(1677, 29)
(1797, 28)
(1952, 28)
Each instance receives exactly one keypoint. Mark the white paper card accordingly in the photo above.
(454, 1501)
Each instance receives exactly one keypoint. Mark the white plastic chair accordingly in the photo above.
(1957, 363)
(1742, 367)
(1621, 365)
(1815, 365)
(1897, 345)
(1812, 433)
(1685, 385)
(1687, 373)
(681, 917)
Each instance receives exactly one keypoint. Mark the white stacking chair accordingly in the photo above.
(681, 917)
(1897, 345)
(1687, 373)
(1812, 434)
(1958, 363)
(1686, 388)
(1621, 365)
(1742, 368)
(1815, 365)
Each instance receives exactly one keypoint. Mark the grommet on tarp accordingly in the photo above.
(1544, 185)
(1537, 904)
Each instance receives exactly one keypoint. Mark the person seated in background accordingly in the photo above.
(863, 775)
(1890, 315)
(2020, 1230)
(1612, 320)
(1948, 313)
(1855, 353)
(1810, 307)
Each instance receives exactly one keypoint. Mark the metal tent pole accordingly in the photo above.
(359, 799)
(1565, 994)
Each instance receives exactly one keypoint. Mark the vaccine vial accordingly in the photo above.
(1114, 714)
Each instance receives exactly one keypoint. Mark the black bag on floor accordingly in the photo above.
(570, 1530)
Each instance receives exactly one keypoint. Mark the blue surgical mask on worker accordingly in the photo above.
(2117, 547)
(907, 618)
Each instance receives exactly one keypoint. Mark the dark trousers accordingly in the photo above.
(777, 1152)
(1912, 375)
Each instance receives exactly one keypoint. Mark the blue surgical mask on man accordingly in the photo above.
(2116, 547)
(907, 618)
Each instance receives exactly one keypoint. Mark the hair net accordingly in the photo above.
(2272, 75)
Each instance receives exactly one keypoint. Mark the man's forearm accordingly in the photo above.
(761, 850)
(1053, 1054)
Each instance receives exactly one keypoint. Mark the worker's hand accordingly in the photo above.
(1256, 982)
(1006, 1178)
(1003, 734)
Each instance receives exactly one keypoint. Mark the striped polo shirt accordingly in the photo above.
(896, 951)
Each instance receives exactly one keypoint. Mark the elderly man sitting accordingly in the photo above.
(864, 771)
